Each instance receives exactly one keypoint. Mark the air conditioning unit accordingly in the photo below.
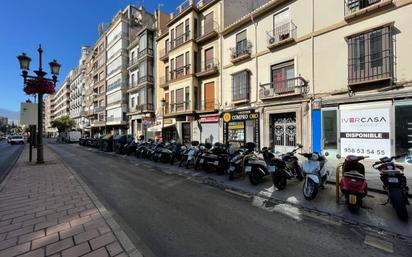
(271, 40)
(209, 66)
(268, 92)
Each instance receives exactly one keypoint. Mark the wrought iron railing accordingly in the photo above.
(180, 72)
(99, 109)
(281, 33)
(208, 105)
(297, 85)
(180, 40)
(164, 53)
(114, 119)
(146, 78)
(242, 48)
(209, 65)
(144, 107)
(146, 51)
(207, 28)
(352, 6)
(180, 107)
(182, 7)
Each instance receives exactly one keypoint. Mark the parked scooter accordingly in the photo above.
(189, 155)
(287, 167)
(238, 158)
(256, 167)
(316, 174)
(216, 159)
(204, 150)
(163, 152)
(395, 183)
(353, 183)
(177, 152)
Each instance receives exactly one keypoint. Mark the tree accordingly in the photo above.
(63, 124)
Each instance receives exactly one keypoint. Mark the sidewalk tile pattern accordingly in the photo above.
(45, 212)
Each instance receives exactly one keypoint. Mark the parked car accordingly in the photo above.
(16, 140)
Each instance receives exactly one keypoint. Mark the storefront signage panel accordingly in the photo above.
(365, 132)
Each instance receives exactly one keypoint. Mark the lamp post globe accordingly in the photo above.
(24, 61)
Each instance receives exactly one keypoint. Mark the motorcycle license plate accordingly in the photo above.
(232, 168)
(393, 180)
(190, 158)
(352, 199)
(216, 163)
(271, 168)
(201, 161)
(248, 168)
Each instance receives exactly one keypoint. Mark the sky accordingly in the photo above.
(61, 26)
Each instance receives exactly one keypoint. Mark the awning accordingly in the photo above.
(158, 128)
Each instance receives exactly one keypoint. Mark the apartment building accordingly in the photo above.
(331, 75)
(61, 99)
(117, 38)
(141, 89)
(77, 91)
(48, 103)
(189, 77)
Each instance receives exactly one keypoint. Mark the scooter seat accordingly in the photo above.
(353, 174)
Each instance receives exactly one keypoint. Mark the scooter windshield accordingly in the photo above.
(310, 166)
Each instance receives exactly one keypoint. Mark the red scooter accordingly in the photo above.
(353, 184)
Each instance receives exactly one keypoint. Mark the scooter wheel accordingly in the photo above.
(399, 203)
(279, 181)
(310, 189)
(231, 175)
(255, 177)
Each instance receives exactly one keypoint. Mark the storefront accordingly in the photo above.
(375, 129)
(209, 129)
(240, 127)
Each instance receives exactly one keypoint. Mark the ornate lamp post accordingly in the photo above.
(163, 101)
(38, 85)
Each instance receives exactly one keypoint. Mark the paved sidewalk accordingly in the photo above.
(44, 211)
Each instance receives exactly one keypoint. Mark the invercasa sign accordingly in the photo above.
(364, 119)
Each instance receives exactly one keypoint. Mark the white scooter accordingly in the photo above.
(316, 174)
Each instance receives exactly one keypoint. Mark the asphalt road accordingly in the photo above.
(170, 216)
(8, 156)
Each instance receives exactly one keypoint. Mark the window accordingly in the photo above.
(208, 23)
(281, 18)
(166, 46)
(403, 127)
(132, 57)
(179, 66)
(132, 102)
(172, 75)
(167, 75)
(282, 77)
(133, 80)
(179, 100)
(187, 62)
(370, 56)
(179, 35)
(195, 27)
(209, 58)
(142, 69)
(187, 31)
(187, 97)
(142, 42)
(329, 129)
(241, 44)
(240, 86)
(172, 38)
(101, 75)
(172, 100)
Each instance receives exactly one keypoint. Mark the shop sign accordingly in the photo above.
(209, 119)
(365, 132)
(190, 118)
(240, 115)
(136, 117)
(168, 121)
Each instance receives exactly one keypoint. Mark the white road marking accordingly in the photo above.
(378, 243)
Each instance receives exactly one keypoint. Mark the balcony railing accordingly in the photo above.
(297, 85)
(144, 107)
(133, 61)
(207, 105)
(164, 81)
(180, 40)
(202, 3)
(180, 72)
(353, 6)
(180, 107)
(241, 51)
(114, 119)
(182, 7)
(116, 84)
(146, 78)
(209, 67)
(99, 109)
(208, 31)
(146, 51)
(164, 53)
(282, 34)
(98, 122)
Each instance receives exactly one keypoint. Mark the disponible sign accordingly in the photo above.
(365, 132)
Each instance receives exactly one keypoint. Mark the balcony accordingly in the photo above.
(99, 109)
(208, 105)
(98, 123)
(164, 54)
(281, 35)
(144, 52)
(180, 40)
(116, 120)
(164, 82)
(209, 68)
(180, 72)
(140, 82)
(356, 8)
(241, 52)
(208, 31)
(144, 108)
(282, 88)
(181, 9)
(202, 3)
(180, 107)
(116, 84)
(133, 63)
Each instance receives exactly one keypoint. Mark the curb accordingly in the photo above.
(7, 174)
(121, 236)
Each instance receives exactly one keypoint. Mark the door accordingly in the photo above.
(208, 24)
(167, 103)
(209, 96)
(284, 132)
(330, 131)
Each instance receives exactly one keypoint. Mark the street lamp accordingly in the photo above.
(163, 117)
(39, 85)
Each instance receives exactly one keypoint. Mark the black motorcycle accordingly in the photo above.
(204, 150)
(177, 152)
(189, 155)
(215, 159)
(287, 167)
(394, 182)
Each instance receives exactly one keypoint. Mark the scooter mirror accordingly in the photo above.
(326, 153)
(338, 156)
(300, 145)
